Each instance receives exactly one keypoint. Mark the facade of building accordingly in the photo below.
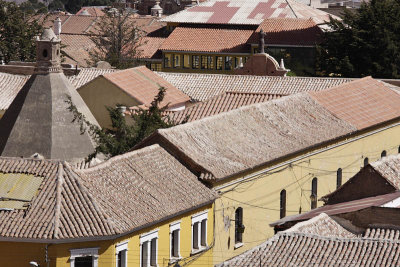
(138, 209)
(131, 87)
(278, 158)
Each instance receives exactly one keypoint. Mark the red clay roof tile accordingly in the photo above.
(207, 40)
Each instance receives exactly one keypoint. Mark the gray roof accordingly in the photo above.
(228, 143)
(201, 87)
(38, 121)
(389, 168)
(124, 194)
(321, 242)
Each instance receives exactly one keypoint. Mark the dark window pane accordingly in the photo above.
(338, 178)
(314, 193)
(83, 261)
(283, 204)
(239, 225)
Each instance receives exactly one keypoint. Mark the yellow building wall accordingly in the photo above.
(19, 254)
(100, 93)
(260, 196)
(186, 67)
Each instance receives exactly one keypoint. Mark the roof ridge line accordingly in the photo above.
(292, 9)
(73, 173)
(57, 210)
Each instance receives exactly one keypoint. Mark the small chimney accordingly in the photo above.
(156, 10)
(57, 26)
(282, 65)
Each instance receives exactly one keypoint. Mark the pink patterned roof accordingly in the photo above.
(248, 12)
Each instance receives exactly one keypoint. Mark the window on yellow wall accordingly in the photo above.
(149, 249)
(122, 254)
(155, 67)
(383, 154)
(228, 63)
(366, 161)
(167, 60)
(314, 192)
(239, 227)
(204, 62)
(199, 231)
(186, 61)
(177, 61)
(220, 62)
(195, 62)
(338, 178)
(174, 232)
(210, 62)
(84, 257)
(282, 204)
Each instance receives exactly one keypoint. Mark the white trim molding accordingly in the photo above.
(199, 220)
(175, 226)
(84, 252)
(147, 239)
(122, 246)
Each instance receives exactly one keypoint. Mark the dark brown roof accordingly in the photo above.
(363, 103)
(143, 85)
(125, 193)
(340, 208)
(208, 40)
(288, 31)
(222, 103)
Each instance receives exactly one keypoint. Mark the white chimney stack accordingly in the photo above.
(57, 26)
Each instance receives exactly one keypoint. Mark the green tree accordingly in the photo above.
(56, 5)
(17, 32)
(366, 42)
(123, 136)
(116, 37)
(33, 7)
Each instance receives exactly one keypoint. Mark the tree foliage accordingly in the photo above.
(366, 42)
(17, 32)
(123, 136)
(116, 38)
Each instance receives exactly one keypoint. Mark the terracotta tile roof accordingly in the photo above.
(201, 87)
(248, 12)
(288, 31)
(208, 40)
(114, 197)
(149, 46)
(92, 10)
(77, 48)
(241, 139)
(225, 102)
(389, 169)
(294, 248)
(9, 87)
(363, 103)
(340, 208)
(143, 85)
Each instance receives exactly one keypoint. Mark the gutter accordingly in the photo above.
(103, 238)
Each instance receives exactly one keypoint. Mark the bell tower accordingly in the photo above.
(48, 53)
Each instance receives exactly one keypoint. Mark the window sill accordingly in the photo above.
(174, 260)
(197, 251)
(238, 245)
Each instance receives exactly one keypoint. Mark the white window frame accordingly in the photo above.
(147, 237)
(121, 247)
(84, 252)
(173, 227)
(198, 218)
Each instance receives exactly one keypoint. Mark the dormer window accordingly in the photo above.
(45, 53)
